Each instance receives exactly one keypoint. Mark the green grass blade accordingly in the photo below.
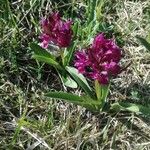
(91, 10)
(99, 13)
(144, 42)
(80, 79)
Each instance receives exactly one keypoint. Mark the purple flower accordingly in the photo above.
(56, 31)
(81, 65)
(100, 61)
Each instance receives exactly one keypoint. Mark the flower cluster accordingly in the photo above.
(56, 31)
(100, 61)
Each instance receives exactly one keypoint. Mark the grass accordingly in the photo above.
(29, 121)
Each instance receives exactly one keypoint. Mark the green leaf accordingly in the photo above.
(80, 79)
(42, 55)
(75, 28)
(101, 92)
(69, 82)
(83, 101)
(144, 42)
(69, 55)
(105, 91)
(136, 108)
(64, 96)
(48, 60)
(38, 50)
(98, 90)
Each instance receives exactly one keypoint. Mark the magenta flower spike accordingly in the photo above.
(56, 31)
(100, 61)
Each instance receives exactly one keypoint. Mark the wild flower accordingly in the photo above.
(56, 31)
(100, 61)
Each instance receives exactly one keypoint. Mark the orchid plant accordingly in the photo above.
(98, 64)
(56, 46)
